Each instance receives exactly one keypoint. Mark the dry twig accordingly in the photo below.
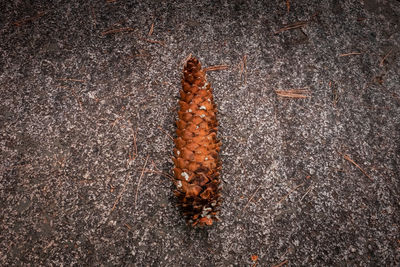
(251, 198)
(151, 30)
(218, 67)
(292, 26)
(294, 93)
(133, 155)
(140, 178)
(166, 175)
(350, 54)
(160, 172)
(21, 22)
(308, 191)
(347, 157)
(93, 15)
(385, 57)
(281, 264)
(166, 133)
(120, 194)
(243, 68)
(71, 80)
(291, 191)
(116, 121)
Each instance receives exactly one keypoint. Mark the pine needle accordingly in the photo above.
(293, 93)
(292, 26)
(350, 54)
(218, 67)
(347, 157)
(140, 179)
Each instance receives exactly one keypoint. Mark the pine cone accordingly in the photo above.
(196, 153)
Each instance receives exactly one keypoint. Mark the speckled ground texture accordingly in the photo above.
(307, 181)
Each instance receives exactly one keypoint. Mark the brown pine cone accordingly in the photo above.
(196, 153)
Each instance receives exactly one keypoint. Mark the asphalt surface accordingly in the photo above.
(309, 113)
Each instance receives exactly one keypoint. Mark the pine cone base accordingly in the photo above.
(196, 154)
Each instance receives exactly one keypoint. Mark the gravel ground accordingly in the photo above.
(89, 93)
